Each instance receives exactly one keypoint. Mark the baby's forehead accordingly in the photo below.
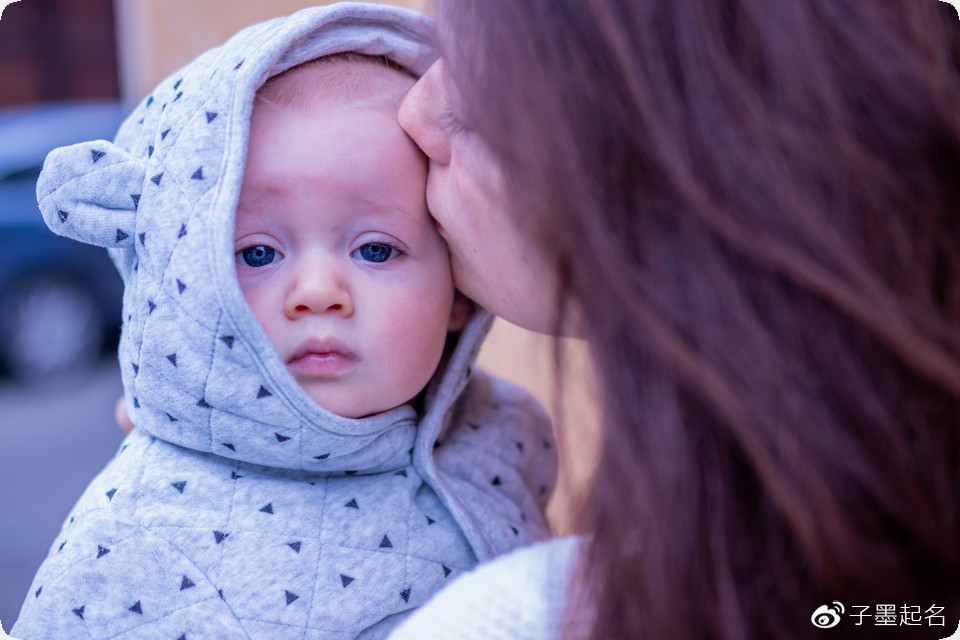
(358, 80)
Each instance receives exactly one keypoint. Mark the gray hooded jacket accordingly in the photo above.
(239, 508)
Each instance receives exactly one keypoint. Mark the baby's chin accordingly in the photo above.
(352, 408)
(355, 395)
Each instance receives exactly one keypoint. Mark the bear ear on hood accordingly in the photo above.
(90, 192)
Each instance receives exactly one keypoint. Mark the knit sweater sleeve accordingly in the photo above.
(519, 596)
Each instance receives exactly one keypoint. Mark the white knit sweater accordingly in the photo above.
(518, 596)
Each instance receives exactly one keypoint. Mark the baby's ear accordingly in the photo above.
(461, 312)
(90, 192)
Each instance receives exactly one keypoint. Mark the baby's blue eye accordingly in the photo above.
(375, 252)
(259, 255)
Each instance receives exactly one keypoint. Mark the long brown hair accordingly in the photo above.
(755, 206)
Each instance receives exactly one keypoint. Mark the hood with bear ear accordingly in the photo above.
(198, 370)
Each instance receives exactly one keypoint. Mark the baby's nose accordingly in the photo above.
(318, 290)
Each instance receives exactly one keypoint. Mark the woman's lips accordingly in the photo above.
(318, 358)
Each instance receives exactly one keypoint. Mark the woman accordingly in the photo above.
(750, 210)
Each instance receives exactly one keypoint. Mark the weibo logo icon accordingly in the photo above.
(827, 615)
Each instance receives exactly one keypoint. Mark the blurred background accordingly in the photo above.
(69, 71)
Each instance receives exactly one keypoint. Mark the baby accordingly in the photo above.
(314, 454)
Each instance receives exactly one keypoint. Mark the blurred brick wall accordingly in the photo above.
(57, 50)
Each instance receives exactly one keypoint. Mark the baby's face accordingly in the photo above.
(338, 257)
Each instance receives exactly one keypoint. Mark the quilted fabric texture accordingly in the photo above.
(239, 508)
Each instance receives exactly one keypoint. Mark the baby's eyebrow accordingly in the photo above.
(380, 209)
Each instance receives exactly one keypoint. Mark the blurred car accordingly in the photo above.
(60, 300)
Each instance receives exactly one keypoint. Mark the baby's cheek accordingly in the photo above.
(419, 338)
(264, 304)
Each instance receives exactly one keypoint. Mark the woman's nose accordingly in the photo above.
(421, 115)
(318, 289)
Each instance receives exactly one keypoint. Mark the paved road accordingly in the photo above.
(53, 440)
